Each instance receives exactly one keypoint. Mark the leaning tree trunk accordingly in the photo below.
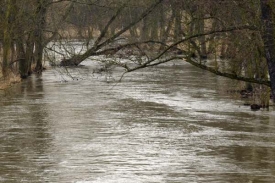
(269, 41)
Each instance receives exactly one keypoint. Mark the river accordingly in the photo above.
(169, 124)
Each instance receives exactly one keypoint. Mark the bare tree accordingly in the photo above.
(158, 30)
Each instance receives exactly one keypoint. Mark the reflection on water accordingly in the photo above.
(168, 124)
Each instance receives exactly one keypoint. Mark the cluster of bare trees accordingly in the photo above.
(25, 29)
(238, 36)
(22, 29)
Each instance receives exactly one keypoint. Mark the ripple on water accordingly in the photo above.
(151, 127)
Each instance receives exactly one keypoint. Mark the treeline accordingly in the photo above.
(234, 34)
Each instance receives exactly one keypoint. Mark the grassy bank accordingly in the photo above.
(9, 80)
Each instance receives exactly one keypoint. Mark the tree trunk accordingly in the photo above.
(162, 22)
(154, 28)
(23, 65)
(7, 37)
(176, 11)
(145, 29)
(202, 40)
(6, 52)
(41, 22)
(269, 42)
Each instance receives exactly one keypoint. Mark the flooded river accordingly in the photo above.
(169, 124)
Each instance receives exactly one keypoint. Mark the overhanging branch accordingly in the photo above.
(228, 75)
(203, 67)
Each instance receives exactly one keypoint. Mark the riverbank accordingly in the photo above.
(8, 81)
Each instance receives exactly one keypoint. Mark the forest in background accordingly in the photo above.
(236, 36)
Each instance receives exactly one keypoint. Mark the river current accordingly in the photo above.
(169, 124)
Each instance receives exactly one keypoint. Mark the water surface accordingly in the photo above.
(169, 124)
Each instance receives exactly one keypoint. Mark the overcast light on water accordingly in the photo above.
(166, 124)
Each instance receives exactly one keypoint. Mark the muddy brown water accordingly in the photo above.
(170, 124)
